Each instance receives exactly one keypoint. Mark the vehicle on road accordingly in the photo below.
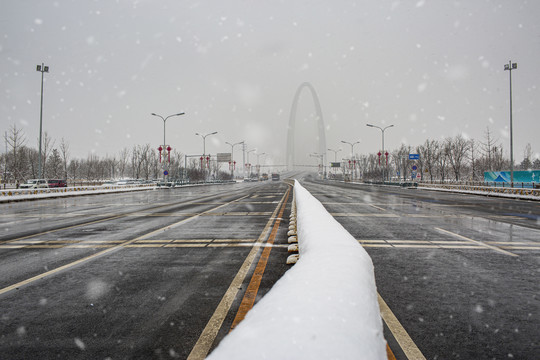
(275, 177)
(55, 183)
(35, 184)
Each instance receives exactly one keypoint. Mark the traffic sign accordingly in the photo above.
(165, 173)
(414, 167)
(414, 156)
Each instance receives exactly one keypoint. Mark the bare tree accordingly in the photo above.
(64, 152)
(54, 165)
(526, 164)
(15, 140)
(456, 150)
(473, 159)
(489, 148)
(429, 153)
(123, 162)
(48, 144)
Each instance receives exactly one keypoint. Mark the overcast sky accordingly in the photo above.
(432, 68)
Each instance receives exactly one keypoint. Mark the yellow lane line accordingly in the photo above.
(207, 337)
(376, 207)
(400, 334)
(253, 287)
(101, 253)
(476, 242)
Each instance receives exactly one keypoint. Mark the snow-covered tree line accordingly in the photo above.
(20, 162)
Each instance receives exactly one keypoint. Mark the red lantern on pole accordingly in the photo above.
(169, 153)
(379, 154)
(160, 149)
(386, 153)
(208, 162)
(202, 162)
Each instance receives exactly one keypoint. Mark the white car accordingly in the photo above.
(35, 184)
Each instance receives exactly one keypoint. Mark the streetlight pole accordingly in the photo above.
(164, 143)
(352, 155)
(335, 155)
(248, 164)
(232, 156)
(204, 146)
(43, 69)
(382, 133)
(320, 156)
(259, 166)
(511, 66)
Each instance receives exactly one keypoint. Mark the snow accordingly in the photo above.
(324, 307)
(8, 195)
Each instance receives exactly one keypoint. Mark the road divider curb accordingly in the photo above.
(292, 235)
(325, 307)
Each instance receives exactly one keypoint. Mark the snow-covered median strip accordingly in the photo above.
(325, 307)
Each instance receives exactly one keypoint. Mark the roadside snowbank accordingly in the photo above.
(325, 307)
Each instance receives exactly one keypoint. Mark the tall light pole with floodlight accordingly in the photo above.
(162, 151)
(43, 69)
(511, 66)
(382, 132)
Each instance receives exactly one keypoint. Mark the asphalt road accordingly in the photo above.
(145, 275)
(165, 274)
(458, 272)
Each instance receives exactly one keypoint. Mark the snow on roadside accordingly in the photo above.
(325, 307)
(30, 194)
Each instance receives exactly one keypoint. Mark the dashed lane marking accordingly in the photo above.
(449, 244)
(476, 242)
(103, 252)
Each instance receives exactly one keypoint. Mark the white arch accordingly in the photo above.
(292, 125)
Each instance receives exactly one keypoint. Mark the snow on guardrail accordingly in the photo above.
(325, 307)
(27, 194)
(508, 192)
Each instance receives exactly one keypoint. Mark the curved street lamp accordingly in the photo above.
(352, 154)
(164, 143)
(382, 132)
(204, 140)
(204, 147)
(232, 155)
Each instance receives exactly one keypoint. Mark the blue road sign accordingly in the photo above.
(414, 156)
(414, 167)
(165, 173)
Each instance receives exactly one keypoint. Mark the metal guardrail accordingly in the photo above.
(73, 189)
